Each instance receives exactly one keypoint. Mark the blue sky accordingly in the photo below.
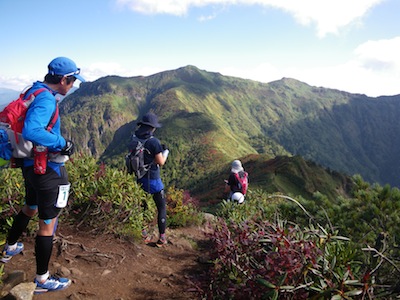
(352, 46)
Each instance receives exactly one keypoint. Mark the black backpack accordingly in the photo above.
(134, 160)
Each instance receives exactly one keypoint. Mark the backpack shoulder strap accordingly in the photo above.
(145, 140)
(35, 93)
(237, 177)
(53, 119)
(148, 151)
(38, 91)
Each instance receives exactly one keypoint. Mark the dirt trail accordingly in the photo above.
(105, 267)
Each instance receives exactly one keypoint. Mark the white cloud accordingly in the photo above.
(16, 83)
(374, 71)
(207, 18)
(89, 73)
(381, 55)
(173, 7)
(101, 69)
(329, 16)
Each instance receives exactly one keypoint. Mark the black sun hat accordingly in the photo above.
(150, 119)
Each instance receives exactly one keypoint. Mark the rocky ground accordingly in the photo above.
(108, 267)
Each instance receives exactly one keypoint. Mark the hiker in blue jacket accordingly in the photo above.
(151, 182)
(46, 180)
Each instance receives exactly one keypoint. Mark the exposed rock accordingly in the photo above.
(13, 278)
(106, 272)
(23, 291)
(209, 217)
(65, 272)
(75, 296)
(76, 272)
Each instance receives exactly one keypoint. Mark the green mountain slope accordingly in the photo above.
(349, 133)
(282, 174)
(210, 119)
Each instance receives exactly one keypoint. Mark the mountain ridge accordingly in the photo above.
(222, 118)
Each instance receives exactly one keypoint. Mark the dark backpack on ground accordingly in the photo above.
(243, 181)
(134, 160)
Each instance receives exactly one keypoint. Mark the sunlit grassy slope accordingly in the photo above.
(210, 119)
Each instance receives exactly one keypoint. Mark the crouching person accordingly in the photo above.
(237, 183)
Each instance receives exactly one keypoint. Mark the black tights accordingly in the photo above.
(159, 199)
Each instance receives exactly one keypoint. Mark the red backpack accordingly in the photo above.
(243, 181)
(14, 113)
(12, 120)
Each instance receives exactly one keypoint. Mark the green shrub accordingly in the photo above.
(12, 193)
(105, 199)
(102, 200)
(182, 209)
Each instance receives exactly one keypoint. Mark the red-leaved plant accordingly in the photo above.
(273, 260)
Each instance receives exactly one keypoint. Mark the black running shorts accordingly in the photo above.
(43, 190)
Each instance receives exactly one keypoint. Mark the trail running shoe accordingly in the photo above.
(161, 242)
(8, 254)
(146, 237)
(52, 283)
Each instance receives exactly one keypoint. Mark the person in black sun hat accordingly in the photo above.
(151, 182)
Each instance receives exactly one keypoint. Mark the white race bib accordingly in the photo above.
(63, 193)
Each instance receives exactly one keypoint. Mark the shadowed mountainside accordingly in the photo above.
(210, 119)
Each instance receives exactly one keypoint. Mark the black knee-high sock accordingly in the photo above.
(43, 249)
(19, 225)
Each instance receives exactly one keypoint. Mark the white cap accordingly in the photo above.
(236, 166)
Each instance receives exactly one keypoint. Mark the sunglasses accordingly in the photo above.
(73, 73)
(68, 74)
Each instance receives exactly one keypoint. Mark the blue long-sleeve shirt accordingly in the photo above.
(37, 118)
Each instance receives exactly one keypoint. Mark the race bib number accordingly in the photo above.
(63, 193)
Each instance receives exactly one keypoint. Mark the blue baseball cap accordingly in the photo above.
(65, 67)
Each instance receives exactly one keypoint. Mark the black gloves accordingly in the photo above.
(164, 147)
(68, 149)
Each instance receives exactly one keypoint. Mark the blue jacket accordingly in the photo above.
(38, 117)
